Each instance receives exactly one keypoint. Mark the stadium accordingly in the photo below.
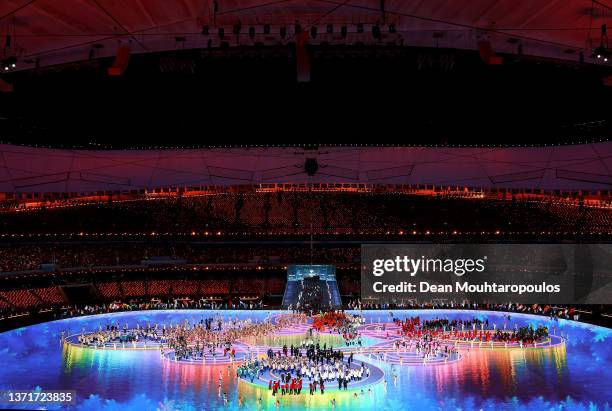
(287, 205)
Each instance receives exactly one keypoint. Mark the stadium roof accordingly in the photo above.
(59, 31)
(571, 167)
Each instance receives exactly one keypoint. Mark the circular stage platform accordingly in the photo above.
(142, 344)
(206, 359)
(376, 376)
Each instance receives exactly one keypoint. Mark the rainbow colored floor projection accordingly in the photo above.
(569, 369)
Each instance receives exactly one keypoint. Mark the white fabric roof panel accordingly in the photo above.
(572, 167)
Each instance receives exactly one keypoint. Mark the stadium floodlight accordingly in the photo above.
(603, 51)
(9, 63)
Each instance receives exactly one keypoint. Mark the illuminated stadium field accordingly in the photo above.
(565, 372)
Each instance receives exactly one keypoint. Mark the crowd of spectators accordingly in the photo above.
(299, 213)
(281, 213)
(566, 312)
(143, 304)
(27, 241)
(62, 309)
(24, 257)
(59, 311)
(327, 212)
(233, 288)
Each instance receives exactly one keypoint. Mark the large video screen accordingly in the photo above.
(299, 272)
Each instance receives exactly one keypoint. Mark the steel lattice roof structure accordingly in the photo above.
(60, 31)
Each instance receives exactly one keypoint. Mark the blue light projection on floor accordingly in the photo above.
(574, 376)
